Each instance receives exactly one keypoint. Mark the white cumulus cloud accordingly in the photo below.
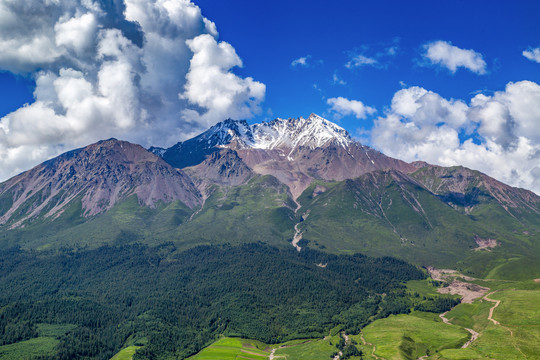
(342, 107)
(445, 54)
(148, 71)
(498, 134)
(211, 86)
(532, 54)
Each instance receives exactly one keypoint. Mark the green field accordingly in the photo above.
(234, 348)
(412, 336)
(517, 336)
(238, 348)
(43, 345)
(126, 353)
(319, 349)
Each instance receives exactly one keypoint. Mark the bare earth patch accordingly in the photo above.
(484, 244)
(446, 274)
(468, 292)
(537, 280)
(440, 274)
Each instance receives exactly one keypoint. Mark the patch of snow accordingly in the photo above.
(157, 151)
(279, 133)
(292, 133)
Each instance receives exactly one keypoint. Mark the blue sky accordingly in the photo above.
(269, 35)
(449, 82)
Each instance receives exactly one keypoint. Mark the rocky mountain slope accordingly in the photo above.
(295, 151)
(98, 176)
(464, 189)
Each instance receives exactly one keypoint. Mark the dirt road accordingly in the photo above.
(497, 302)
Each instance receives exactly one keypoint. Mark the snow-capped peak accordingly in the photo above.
(292, 133)
(312, 132)
(227, 132)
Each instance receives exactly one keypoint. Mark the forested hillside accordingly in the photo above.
(176, 302)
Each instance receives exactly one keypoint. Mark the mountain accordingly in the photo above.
(78, 186)
(279, 134)
(465, 189)
(303, 181)
(295, 151)
(223, 167)
(99, 176)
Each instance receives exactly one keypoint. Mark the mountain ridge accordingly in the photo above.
(101, 174)
(296, 151)
(242, 183)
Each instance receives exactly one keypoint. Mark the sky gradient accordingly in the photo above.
(453, 82)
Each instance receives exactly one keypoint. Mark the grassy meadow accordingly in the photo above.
(126, 353)
(234, 348)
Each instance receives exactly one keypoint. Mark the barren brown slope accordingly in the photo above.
(298, 167)
(222, 168)
(99, 175)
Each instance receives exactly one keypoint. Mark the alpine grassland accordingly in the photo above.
(126, 353)
(234, 348)
(316, 349)
(413, 336)
(512, 332)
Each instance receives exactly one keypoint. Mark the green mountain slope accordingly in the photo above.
(391, 213)
(260, 210)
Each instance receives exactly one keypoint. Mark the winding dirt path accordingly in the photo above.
(273, 355)
(444, 320)
(474, 334)
(370, 344)
(497, 302)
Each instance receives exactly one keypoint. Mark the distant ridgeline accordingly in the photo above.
(174, 303)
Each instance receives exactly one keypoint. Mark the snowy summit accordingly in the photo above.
(312, 132)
